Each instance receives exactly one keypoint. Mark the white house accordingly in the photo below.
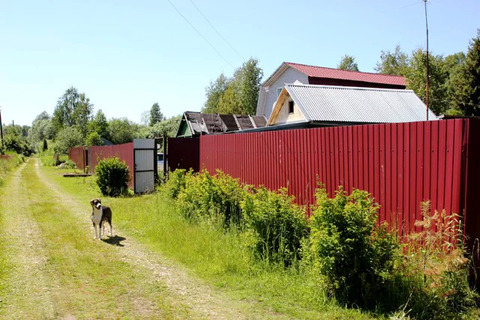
(289, 72)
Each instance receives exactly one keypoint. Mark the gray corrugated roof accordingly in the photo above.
(351, 104)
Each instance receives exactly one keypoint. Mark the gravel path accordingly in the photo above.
(203, 301)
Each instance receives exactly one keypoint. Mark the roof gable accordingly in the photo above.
(352, 104)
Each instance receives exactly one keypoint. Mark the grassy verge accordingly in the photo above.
(7, 164)
(221, 258)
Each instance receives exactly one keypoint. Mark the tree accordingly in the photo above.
(168, 127)
(99, 124)
(14, 139)
(93, 139)
(393, 63)
(214, 92)
(467, 95)
(452, 68)
(82, 114)
(66, 139)
(122, 130)
(416, 80)
(248, 80)
(42, 116)
(229, 102)
(73, 109)
(236, 95)
(155, 114)
(348, 63)
(41, 129)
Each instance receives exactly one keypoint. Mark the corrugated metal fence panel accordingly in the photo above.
(471, 183)
(122, 151)
(79, 156)
(401, 164)
(183, 153)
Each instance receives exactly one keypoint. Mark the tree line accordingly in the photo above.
(73, 123)
(454, 80)
(454, 90)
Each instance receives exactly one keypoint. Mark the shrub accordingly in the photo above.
(18, 144)
(213, 198)
(70, 164)
(279, 225)
(113, 176)
(175, 182)
(356, 256)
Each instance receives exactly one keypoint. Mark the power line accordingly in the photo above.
(200, 34)
(215, 29)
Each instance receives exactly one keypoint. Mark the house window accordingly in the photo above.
(279, 90)
(290, 106)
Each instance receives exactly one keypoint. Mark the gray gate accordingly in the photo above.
(145, 160)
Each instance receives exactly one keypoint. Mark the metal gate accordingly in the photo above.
(145, 164)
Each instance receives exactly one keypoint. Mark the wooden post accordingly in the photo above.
(1, 131)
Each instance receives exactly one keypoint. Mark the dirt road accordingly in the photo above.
(54, 268)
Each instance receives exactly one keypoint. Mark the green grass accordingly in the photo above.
(221, 258)
(6, 166)
(83, 278)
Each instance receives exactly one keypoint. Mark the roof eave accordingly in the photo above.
(276, 74)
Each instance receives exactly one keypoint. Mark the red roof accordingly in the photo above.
(329, 73)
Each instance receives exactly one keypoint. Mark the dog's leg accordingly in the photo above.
(95, 230)
(100, 230)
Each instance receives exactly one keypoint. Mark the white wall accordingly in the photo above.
(289, 76)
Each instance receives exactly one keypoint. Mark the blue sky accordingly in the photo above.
(126, 55)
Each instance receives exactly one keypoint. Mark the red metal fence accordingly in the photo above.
(122, 151)
(79, 155)
(82, 157)
(401, 165)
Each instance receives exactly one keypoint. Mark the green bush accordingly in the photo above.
(175, 182)
(213, 198)
(356, 255)
(278, 224)
(70, 164)
(17, 144)
(113, 176)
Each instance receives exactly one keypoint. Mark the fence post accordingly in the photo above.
(165, 155)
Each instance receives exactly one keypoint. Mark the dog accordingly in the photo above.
(100, 215)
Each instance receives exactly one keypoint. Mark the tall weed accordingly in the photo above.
(437, 267)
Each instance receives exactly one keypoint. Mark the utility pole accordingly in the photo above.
(427, 90)
(1, 130)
